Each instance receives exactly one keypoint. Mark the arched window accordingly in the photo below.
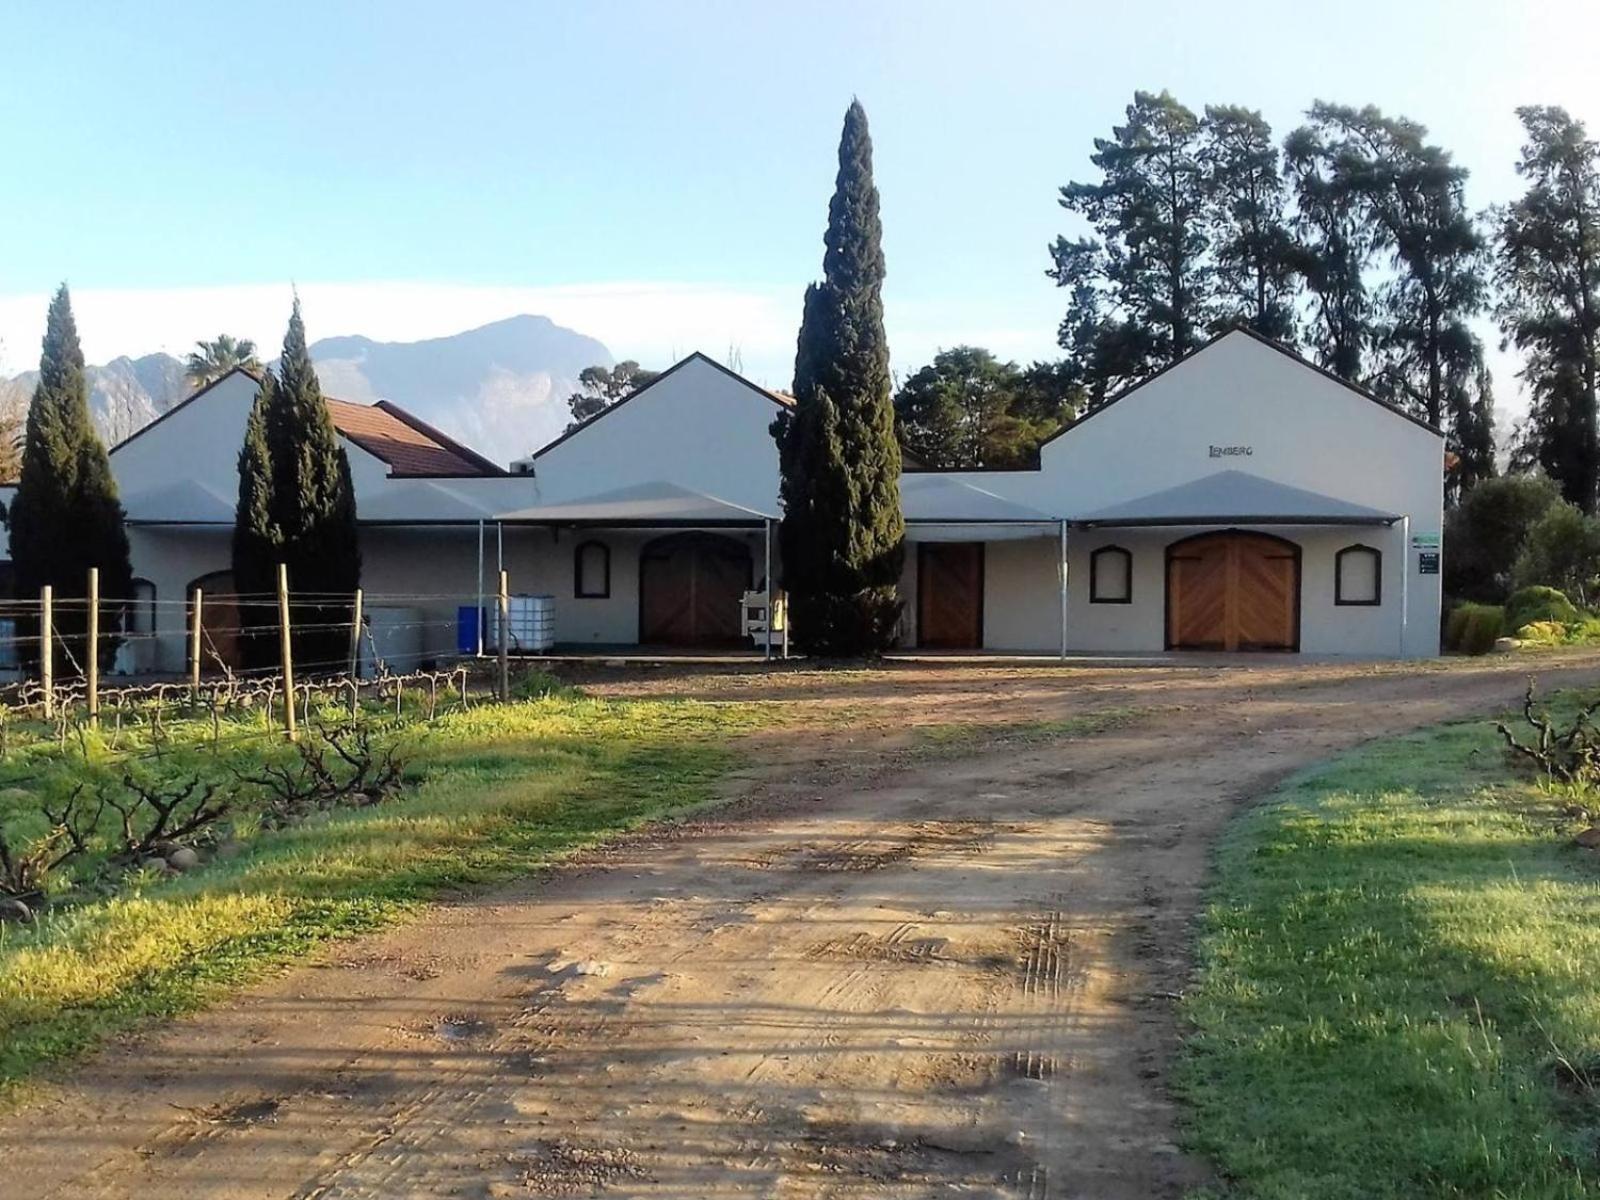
(591, 571)
(139, 614)
(1358, 576)
(1111, 576)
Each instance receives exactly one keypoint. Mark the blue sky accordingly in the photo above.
(656, 174)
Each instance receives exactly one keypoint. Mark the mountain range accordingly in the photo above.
(501, 388)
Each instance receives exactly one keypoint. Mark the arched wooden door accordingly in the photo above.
(220, 621)
(1233, 591)
(691, 586)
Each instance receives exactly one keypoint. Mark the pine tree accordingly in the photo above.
(968, 409)
(1254, 254)
(1413, 197)
(1336, 244)
(1142, 288)
(297, 507)
(66, 516)
(842, 537)
(1548, 269)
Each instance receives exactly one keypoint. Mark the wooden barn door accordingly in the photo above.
(221, 621)
(1233, 591)
(690, 589)
(950, 595)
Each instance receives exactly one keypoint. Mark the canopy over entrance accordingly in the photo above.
(642, 506)
(938, 508)
(1234, 498)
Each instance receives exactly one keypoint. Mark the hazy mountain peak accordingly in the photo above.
(500, 388)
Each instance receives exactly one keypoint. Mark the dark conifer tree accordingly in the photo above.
(66, 516)
(1548, 269)
(1335, 245)
(1413, 196)
(1142, 287)
(1254, 254)
(843, 536)
(297, 507)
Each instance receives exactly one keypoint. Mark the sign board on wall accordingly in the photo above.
(1428, 562)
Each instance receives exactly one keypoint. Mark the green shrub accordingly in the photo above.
(1455, 625)
(1586, 632)
(1562, 551)
(1474, 628)
(1484, 534)
(1539, 604)
(1542, 633)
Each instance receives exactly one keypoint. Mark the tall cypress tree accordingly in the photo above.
(843, 535)
(296, 507)
(66, 516)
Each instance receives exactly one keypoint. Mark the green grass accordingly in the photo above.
(497, 792)
(1399, 992)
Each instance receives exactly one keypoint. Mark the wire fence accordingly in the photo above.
(278, 652)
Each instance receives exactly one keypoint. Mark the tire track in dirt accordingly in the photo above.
(919, 979)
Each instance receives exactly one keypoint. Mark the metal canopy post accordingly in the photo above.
(1405, 578)
(771, 612)
(479, 621)
(1061, 584)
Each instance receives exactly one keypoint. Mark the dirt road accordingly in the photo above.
(886, 971)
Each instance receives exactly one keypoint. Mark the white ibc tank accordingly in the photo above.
(531, 628)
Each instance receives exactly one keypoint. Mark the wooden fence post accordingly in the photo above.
(47, 648)
(355, 636)
(286, 649)
(195, 632)
(92, 650)
(504, 601)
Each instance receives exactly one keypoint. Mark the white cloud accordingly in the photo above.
(655, 323)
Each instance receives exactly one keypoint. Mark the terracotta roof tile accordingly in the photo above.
(411, 447)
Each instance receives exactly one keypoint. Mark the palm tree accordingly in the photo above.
(212, 360)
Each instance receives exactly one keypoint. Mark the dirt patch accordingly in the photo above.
(877, 974)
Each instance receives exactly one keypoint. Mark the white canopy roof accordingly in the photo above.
(942, 500)
(1235, 497)
(642, 505)
(418, 502)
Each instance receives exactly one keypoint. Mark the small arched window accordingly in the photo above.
(1111, 576)
(139, 615)
(1358, 576)
(591, 571)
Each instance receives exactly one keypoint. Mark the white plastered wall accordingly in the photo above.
(698, 427)
(1302, 429)
(1325, 627)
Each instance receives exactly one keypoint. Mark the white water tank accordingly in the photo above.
(530, 629)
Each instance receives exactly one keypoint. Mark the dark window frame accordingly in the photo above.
(578, 579)
(131, 608)
(1377, 576)
(1094, 575)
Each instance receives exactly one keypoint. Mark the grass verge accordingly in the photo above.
(1397, 994)
(499, 792)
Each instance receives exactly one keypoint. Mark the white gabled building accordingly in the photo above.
(1241, 499)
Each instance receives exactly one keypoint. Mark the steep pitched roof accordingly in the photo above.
(411, 447)
(779, 398)
(408, 445)
(1293, 356)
